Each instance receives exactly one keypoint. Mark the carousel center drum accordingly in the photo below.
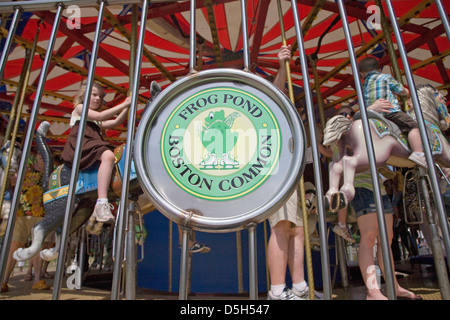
(220, 149)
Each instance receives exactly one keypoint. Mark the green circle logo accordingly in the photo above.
(221, 144)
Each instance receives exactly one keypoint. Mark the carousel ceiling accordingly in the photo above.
(219, 44)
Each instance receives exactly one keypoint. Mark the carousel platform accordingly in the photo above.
(421, 279)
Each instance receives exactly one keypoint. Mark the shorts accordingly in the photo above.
(289, 211)
(364, 202)
(22, 229)
(405, 122)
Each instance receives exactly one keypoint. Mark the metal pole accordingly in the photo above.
(324, 253)
(170, 256)
(423, 131)
(130, 276)
(252, 262)
(342, 262)
(130, 246)
(439, 259)
(192, 40)
(444, 18)
(27, 144)
(389, 275)
(245, 36)
(391, 50)
(239, 261)
(15, 114)
(75, 168)
(182, 294)
(46, 5)
(9, 40)
(253, 274)
(128, 153)
(16, 110)
(318, 92)
(82, 254)
(301, 186)
(266, 244)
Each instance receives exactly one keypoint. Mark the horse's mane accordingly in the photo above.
(428, 103)
(335, 128)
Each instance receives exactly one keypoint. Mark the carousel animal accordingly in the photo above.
(390, 147)
(56, 191)
(13, 168)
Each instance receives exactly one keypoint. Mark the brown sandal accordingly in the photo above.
(5, 287)
(40, 285)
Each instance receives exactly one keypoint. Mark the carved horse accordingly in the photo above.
(390, 147)
(56, 190)
(13, 167)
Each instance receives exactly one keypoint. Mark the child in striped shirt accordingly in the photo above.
(377, 85)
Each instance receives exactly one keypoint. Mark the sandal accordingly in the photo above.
(199, 247)
(5, 287)
(40, 285)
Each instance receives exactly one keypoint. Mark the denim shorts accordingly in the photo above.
(364, 202)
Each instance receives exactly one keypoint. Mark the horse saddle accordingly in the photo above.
(384, 126)
(87, 179)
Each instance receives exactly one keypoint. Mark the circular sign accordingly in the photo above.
(219, 149)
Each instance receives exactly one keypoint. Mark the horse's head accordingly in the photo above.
(15, 159)
(155, 89)
(442, 111)
(433, 105)
(335, 128)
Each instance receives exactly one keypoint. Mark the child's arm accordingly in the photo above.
(108, 124)
(107, 114)
(404, 92)
(283, 55)
(397, 87)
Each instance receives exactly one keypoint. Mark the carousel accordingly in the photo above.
(211, 147)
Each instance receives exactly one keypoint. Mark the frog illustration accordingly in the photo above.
(218, 140)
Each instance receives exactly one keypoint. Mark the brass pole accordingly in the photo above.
(17, 110)
(313, 62)
(391, 51)
(301, 187)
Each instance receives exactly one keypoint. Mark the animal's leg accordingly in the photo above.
(37, 236)
(336, 170)
(52, 253)
(348, 190)
(6, 208)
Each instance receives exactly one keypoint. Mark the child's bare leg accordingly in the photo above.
(415, 140)
(102, 212)
(104, 173)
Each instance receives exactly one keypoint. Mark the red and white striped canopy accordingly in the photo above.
(219, 45)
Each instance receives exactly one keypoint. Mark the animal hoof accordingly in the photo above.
(49, 254)
(18, 255)
(338, 202)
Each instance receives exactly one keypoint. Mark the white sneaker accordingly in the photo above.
(344, 233)
(102, 212)
(419, 160)
(304, 295)
(287, 294)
